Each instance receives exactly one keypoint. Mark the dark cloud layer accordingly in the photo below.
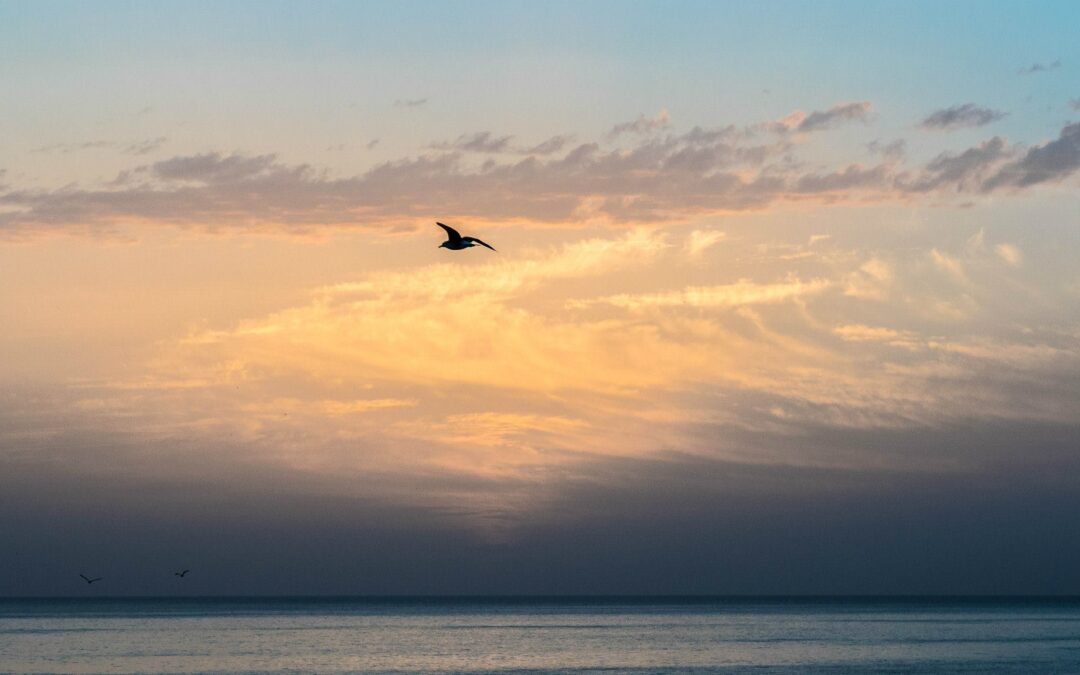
(961, 116)
(1000, 521)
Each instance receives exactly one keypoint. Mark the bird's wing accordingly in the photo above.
(477, 241)
(451, 233)
(87, 580)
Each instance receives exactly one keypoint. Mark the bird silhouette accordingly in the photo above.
(88, 579)
(181, 574)
(456, 242)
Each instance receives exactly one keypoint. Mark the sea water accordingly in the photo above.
(539, 635)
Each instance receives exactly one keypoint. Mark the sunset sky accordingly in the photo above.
(786, 297)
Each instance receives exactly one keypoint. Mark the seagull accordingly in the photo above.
(181, 574)
(456, 242)
(88, 579)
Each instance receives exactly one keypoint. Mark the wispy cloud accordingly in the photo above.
(961, 116)
(551, 145)
(1040, 67)
(893, 151)
(1010, 253)
(481, 141)
(142, 147)
(642, 125)
(739, 294)
(700, 241)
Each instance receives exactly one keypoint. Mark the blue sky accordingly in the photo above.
(523, 67)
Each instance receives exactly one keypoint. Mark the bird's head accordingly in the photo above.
(442, 245)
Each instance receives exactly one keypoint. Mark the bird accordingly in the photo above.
(181, 574)
(88, 579)
(456, 242)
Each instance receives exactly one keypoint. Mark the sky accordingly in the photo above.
(785, 299)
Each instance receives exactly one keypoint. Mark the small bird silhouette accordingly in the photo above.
(181, 574)
(88, 579)
(456, 242)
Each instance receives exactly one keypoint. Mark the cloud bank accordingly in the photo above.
(659, 177)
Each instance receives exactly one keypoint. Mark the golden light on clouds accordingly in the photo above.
(522, 366)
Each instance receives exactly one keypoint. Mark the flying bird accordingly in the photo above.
(88, 579)
(181, 574)
(456, 242)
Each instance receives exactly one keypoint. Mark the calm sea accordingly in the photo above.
(537, 635)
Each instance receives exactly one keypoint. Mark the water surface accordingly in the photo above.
(537, 635)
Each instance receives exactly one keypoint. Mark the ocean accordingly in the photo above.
(763, 636)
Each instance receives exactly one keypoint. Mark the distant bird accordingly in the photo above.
(181, 574)
(456, 242)
(88, 579)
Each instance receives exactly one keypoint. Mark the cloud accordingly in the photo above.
(481, 141)
(531, 352)
(739, 294)
(864, 333)
(410, 103)
(1051, 161)
(505, 401)
(844, 112)
(852, 177)
(818, 529)
(1012, 255)
(145, 147)
(963, 171)
(142, 147)
(1075, 104)
(895, 151)
(961, 116)
(1040, 67)
(657, 178)
(642, 125)
(67, 148)
(503, 279)
(818, 120)
(213, 168)
(950, 265)
(700, 241)
(487, 142)
(551, 145)
(871, 281)
(696, 171)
